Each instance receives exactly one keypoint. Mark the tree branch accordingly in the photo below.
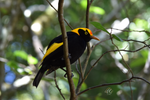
(118, 83)
(65, 48)
(58, 86)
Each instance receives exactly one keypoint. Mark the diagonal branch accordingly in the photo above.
(58, 86)
(121, 55)
(57, 12)
(118, 83)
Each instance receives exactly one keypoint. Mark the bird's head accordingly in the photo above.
(85, 33)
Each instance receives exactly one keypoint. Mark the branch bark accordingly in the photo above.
(65, 48)
(118, 83)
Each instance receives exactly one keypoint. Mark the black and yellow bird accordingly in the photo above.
(54, 57)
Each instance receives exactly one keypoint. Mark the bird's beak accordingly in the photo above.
(93, 37)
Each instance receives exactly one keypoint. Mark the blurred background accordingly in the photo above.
(26, 26)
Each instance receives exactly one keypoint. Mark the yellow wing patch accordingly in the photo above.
(52, 48)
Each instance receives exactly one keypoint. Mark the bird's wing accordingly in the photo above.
(55, 49)
(52, 48)
(55, 40)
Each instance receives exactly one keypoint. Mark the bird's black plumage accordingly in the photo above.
(53, 59)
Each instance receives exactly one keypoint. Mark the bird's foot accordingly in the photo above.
(66, 75)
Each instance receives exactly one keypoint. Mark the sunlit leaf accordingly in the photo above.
(94, 9)
(141, 23)
(21, 54)
(97, 10)
(32, 60)
(21, 71)
(84, 3)
(28, 71)
(99, 26)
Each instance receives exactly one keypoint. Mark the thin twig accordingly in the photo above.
(80, 68)
(58, 86)
(88, 49)
(77, 68)
(113, 51)
(87, 13)
(57, 12)
(131, 30)
(131, 90)
(118, 83)
(41, 51)
(99, 43)
(121, 55)
(106, 53)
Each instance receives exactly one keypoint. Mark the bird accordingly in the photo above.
(54, 56)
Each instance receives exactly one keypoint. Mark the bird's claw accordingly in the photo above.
(66, 75)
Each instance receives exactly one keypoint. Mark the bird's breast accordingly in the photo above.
(76, 50)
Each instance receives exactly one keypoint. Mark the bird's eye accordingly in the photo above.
(86, 33)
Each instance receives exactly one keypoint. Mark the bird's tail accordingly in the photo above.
(38, 78)
(41, 72)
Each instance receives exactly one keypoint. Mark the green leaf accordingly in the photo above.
(94, 9)
(97, 10)
(99, 26)
(141, 23)
(32, 60)
(21, 54)
(117, 37)
(83, 3)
